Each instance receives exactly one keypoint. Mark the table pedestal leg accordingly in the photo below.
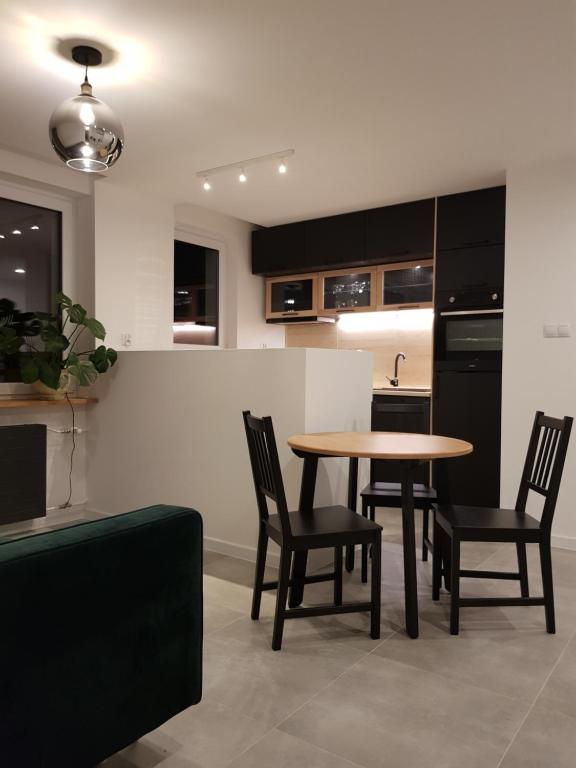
(307, 489)
(352, 503)
(409, 540)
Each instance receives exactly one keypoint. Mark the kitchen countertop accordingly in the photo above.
(399, 391)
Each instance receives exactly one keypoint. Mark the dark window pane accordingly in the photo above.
(347, 291)
(30, 264)
(407, 286)
(292, 296)
(195, 294)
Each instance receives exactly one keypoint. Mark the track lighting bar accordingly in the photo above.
(243, 164)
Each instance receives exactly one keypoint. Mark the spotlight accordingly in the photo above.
(20, 271)
(282, 168)
(2, 237)
(35, 227)
(206, 186)
(16, 232)
(242, 178)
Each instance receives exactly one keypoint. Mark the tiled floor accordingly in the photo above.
(501, 695)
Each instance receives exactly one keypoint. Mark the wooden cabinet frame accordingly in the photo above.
(312, 312)
(372, 271)
(382, 270)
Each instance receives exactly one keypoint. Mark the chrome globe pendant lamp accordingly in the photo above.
(84, 131)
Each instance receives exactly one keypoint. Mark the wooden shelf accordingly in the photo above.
(42, 403)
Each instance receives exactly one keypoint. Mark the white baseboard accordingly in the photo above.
(564, 542)
(316, 558)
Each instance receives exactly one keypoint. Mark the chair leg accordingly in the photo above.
(445, 544)
(338, 554)
(364, 568)
(547, 583)
(373, 514)
(281, 596)
(376, 587)
(436, 564)
(259, 577)
(523, 568)
(425, 524)
(455, 586)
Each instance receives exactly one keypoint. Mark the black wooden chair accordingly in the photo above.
(542, 473)
(324, 527)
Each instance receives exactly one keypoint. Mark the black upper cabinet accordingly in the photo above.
(400, 232)
(279, 250)
(471, 219)
(336, 241)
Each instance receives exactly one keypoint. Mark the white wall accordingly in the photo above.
(134, 263)
(242, 309)
(540, 286)
(168, 429)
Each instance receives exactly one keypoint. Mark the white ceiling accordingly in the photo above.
(383, 100)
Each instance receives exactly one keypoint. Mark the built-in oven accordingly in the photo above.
(468, 340)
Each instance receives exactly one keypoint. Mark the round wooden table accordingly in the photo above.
(409, 451)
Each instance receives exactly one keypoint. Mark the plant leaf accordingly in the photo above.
(77, 313)
(95, 327)
(84, 372)
(112, 355)
(53, 340)
(63, 301)
(50, 373)
(29, 370)
(99, 359)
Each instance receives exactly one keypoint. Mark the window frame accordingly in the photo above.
(46, 198)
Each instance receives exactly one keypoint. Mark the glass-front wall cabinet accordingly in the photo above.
(350, 290)
(406, 285)
(289, 297)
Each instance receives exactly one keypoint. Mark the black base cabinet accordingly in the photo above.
(397, 413)
(468, 406)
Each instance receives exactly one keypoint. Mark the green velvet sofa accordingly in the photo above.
(100, 635)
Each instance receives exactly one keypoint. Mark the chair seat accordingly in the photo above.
(484, 519)
(327, 523)
(390, 494)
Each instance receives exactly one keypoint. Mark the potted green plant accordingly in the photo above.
(53, 359)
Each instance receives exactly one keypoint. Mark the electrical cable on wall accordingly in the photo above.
(68, 500)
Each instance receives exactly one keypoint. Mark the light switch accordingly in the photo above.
(550, 330)
(564, 330)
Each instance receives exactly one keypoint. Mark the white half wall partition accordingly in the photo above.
(168, 429)
(540, 373)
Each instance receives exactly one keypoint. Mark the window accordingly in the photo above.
(195, 294)
(30, 263)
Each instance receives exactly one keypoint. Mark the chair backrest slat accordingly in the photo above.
(545, 463)
(266, 470)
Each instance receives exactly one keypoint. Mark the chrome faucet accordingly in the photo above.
(394, 381)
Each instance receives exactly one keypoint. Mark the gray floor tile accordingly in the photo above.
(381, 713)
(559, 693)
(211, 734)
(546, 740)
(508, 660)
(281, 750)
(242, 672)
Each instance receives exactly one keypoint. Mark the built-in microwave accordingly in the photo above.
(468, 340)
